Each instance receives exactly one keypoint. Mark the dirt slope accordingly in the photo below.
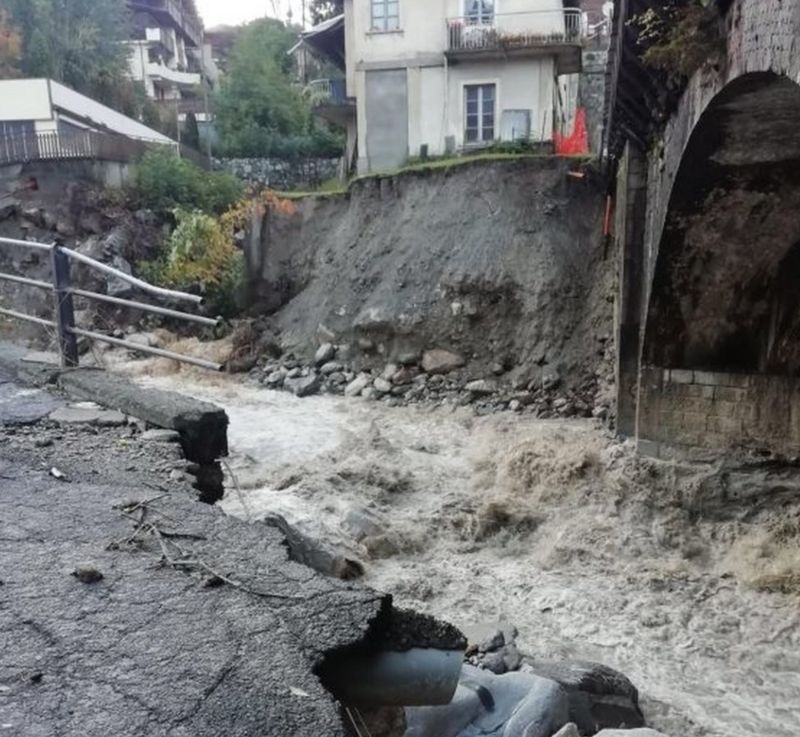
(501, 261)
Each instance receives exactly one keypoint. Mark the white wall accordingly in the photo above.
(24, 99)
(436, 90)
(94, 114)
(422, 31)
(423, 25)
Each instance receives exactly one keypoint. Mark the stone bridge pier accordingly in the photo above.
(708, 240)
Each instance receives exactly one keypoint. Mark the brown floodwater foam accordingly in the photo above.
(681, 576)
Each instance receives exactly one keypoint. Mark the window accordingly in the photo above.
(385, 15)
(479, 12)
(479, 102)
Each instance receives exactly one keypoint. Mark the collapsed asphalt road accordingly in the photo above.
(129, 608)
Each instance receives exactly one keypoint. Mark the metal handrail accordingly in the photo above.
(509, 30)
(64, 311)
(111, 271)
(27, 318)
(210, 321)
(201, 362)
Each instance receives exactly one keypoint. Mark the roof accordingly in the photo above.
(326, 39)
(40, 99)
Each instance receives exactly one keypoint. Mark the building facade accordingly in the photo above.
(169, 56)
(449, 76)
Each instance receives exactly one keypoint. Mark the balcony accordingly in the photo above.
(329, 100)
(556, 33)
(159, 37)
(172, 12)
(175, 76)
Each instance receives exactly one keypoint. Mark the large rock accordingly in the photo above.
(481, 387)
(8, 206)
(357, 385)
(324, 353)
(438, 361)
(599, 696)
(116, 287)
(304, 386)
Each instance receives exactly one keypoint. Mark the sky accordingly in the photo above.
(234, 12)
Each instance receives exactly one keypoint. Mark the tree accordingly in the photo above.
(77, 42)
(322, 10)
(10, 48)
(258, 105)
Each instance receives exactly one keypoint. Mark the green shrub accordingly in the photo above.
(164, 182)
(200, 255)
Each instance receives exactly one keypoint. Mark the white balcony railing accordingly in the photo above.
(161, 71)
(327, 92)
(508, 32)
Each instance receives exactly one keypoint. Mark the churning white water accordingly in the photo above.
(590, 551)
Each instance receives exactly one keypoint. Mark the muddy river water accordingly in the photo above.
(590, 551)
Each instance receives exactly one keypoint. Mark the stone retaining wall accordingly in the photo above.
(282, 174)
(710, 409)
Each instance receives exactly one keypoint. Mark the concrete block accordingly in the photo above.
(729, 394)
(726, 408)
(698, 391)
(681, 376)
(203, 427)
(706, 377)
(740, 381)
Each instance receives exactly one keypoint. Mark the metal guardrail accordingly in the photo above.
(327, 92)
(514, 31)
(64, 311)
(56, 146)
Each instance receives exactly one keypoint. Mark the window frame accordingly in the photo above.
(481, 85)
(479, 20)
(381, 25)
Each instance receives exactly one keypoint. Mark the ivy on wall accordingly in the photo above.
(679, 37)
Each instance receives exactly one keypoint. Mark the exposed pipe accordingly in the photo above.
(417, 677)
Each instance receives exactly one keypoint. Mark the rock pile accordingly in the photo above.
(435, 376)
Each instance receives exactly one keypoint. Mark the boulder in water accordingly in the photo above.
(599, 697)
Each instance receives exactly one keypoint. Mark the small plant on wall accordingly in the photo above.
(678, 37)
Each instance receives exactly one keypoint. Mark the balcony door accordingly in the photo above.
(479, 12)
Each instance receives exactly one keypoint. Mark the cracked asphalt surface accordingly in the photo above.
(200, 624)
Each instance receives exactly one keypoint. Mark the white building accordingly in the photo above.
(168, 53)
(445, 76)
(33, 109)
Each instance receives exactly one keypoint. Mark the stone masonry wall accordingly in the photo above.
(281, 174)
(713, 410)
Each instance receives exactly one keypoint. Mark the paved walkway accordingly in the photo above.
(199, 625)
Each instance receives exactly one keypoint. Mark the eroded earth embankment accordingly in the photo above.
(501, 262)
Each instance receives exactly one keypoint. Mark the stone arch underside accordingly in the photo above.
(727, 278)
(721, 352)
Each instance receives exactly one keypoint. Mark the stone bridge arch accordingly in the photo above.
(713, 336)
